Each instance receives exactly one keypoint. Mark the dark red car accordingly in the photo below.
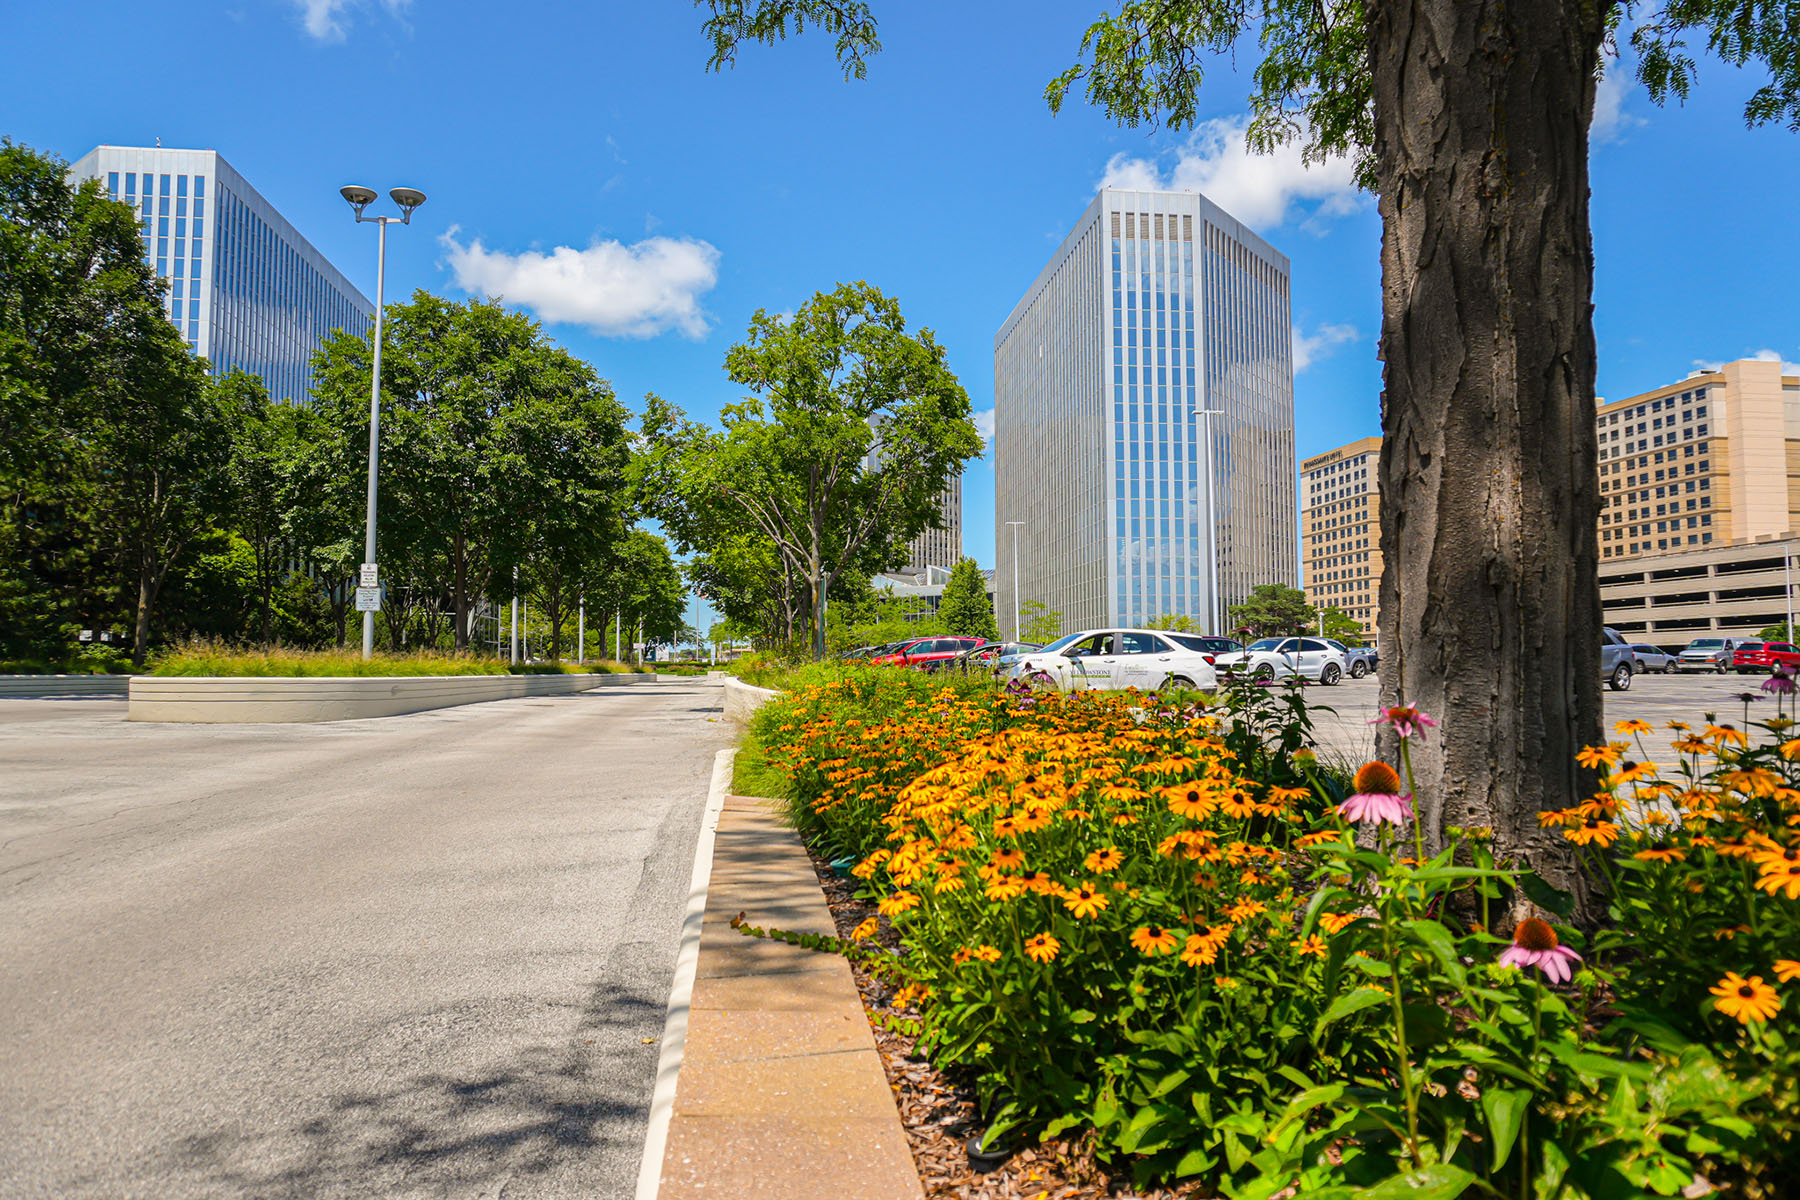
(1759, 658)
(927, 654)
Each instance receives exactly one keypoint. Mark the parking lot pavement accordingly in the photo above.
(419, 956)
(1654, 698)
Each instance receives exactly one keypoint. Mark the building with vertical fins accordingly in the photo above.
(1340, 531)
(940, 547)
(245, 288)
(1157, 305)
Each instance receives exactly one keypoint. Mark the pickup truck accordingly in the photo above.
(1616, 661)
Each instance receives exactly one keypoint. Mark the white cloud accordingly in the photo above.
(326, 20)
(1611, 121)
(1787, 368)
(1257, 189)
(613, 289)
(984, 425)
(1310, 348)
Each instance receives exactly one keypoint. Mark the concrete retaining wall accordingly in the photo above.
(63, 685)
(741, 699)
(247, 700)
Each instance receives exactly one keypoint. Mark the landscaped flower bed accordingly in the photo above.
(1155, 922)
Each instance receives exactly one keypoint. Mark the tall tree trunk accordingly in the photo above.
(146, 600)
(460, 587)
(1490, 491)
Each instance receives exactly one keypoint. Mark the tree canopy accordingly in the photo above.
(964, 608)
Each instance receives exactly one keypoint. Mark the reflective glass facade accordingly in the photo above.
(244, 288)
(1157, 305)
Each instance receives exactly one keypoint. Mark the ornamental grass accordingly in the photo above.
(1161, 921)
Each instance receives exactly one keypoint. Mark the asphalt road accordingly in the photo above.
(1654, 698)
(421, 956)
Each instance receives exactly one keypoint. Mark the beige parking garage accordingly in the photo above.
(1731, 591)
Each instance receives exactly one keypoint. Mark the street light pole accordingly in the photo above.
(408, 200)
(1212, 524)
(1018, 635)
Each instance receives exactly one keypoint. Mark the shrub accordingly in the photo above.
(1158, 921)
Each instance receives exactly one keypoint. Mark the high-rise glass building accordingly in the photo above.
(245, 288)
(1157, 305)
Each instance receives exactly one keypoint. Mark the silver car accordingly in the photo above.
(1652, 658)
(1309, 658)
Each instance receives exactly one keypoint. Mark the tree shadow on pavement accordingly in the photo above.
(549, 1120)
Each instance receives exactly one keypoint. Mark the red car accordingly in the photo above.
(1759, 658)
(927, 654)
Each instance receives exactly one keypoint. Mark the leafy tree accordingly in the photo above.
(1341, 626)
(964, 608)
(1273, 610)
(1469, 119)
(1040, 624)
(1778, 632)
(1175, 623)
(639, 588)
(260, 477)
(838, 457)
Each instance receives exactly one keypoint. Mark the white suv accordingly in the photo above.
(1271, 658)
(1146, 659)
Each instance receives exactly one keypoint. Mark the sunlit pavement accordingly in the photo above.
(420, 956)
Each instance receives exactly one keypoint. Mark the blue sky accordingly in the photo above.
(580, 160)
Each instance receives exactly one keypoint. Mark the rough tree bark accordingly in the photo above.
(1490, 490)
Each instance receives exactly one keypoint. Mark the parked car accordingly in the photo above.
(1361, 659)
(1307, 657)
(1097, 659)
(927, 654)
(1652, 658)
(992, 657)
(1708, 654)
(1616, 664)
(1759, 658)
(1211, 647)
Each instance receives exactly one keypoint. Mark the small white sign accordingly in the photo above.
(370, 576)
(368, 599)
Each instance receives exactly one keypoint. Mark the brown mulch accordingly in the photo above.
(939, 1111)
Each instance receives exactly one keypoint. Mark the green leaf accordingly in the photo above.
(1081, 1016)
(1437, 939)
(1194, 1162)
(1439, 1182)
(1344, 1005)
(1542, 894)
(1505, 1110)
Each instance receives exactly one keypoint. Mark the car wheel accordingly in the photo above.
(1041, 681)
(1722, 668)
(1330, 674)
(1621, 678)
(1358, 669)
(1263, 673)
(1669, 668)
(1178, 683)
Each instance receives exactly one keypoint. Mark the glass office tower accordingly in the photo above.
(245, 288)
(1159, 304)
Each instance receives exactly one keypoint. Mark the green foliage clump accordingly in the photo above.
(965, 609)
(213, 659)
(1273, 610)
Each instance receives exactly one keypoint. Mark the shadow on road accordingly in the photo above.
(550, 1118)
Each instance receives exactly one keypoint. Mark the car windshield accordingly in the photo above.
(1063, 642)
(1190, 642)
(1752, 647)
(1267, 644)
(1706, 643)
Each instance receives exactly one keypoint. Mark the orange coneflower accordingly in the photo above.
(1786, 970)
(1598, 756)
(1633, 726)
(1661, 854)
(1084, 901)
(1747, 1000)
(1593, 830)
(1202, 949)
(1041, 947)
(1107, 858)
(1314, 945)
(899, 902)
(1189, 800)
(1334, 922)
(1153, 939)
(866, 929)
(1243, 910)
(1004, 887)
(1780, 877)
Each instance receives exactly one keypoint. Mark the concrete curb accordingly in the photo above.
(252, 700)
(39, 686)
(781, 1092)
(742, 699)
(681, 992)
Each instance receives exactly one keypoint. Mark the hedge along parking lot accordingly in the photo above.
(1149, 919)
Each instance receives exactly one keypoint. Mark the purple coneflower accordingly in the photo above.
(1377, 799)
(1535, 945)
(1780, 681)
(1406, 720)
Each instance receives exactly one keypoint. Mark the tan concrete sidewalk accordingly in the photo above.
(781, 1093)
